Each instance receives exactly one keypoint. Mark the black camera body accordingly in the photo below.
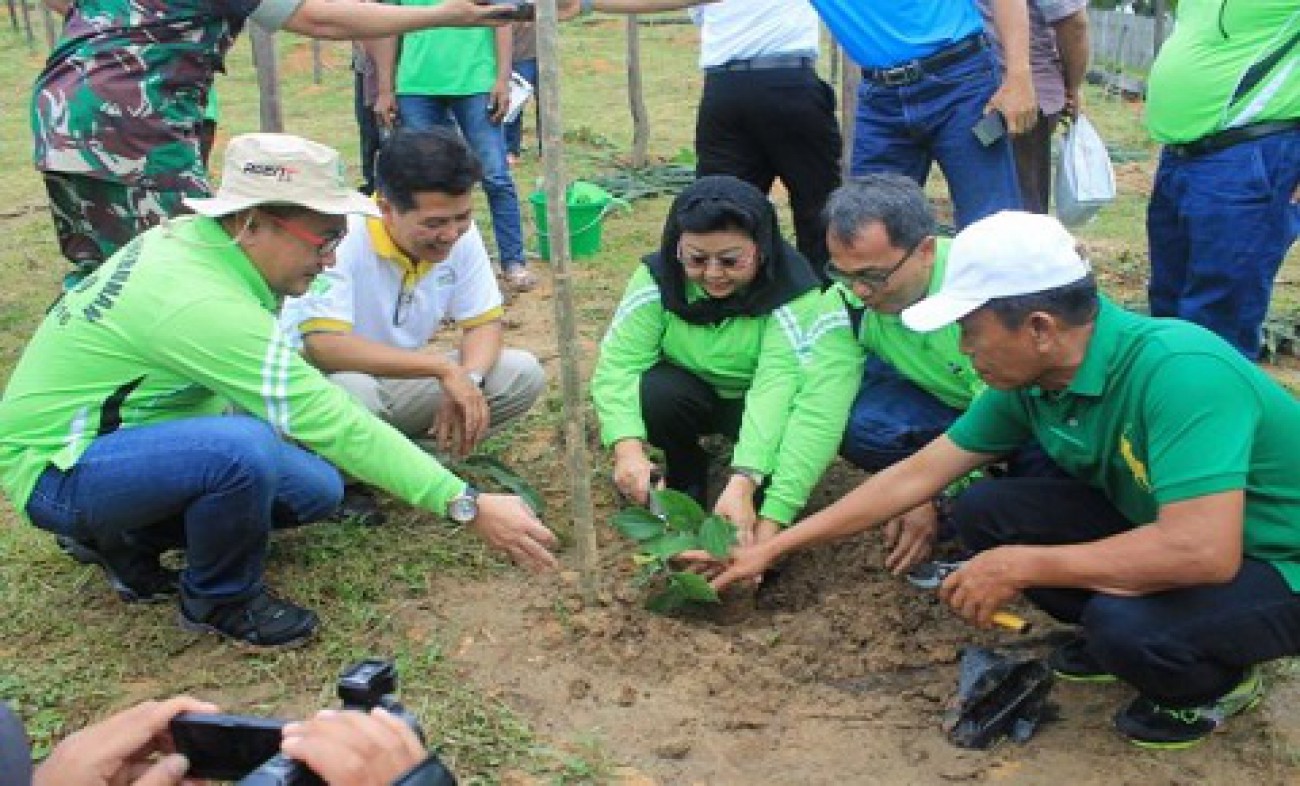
(235, 747)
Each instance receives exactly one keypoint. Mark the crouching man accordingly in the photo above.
(113, 419)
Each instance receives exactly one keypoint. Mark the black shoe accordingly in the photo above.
(260, 621)
(133, 572)
(1073, 663)
(359, 507)
(1147, 724)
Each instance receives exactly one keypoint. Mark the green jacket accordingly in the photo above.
(760, 359)
(180, 324)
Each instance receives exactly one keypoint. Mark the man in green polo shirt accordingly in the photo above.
(1174, 546)
(114, 420)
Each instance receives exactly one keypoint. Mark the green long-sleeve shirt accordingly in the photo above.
(759, 359)
(180, 324)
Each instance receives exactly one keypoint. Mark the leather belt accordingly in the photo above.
(1232, 136)
(765, 63)
(914, 70)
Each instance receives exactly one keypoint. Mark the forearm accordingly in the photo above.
(642, 6)
(384, 52)
(335, 352)
(343, 21)
(503, 42)
(1072, 44)
(1011, 21)
(480, 346)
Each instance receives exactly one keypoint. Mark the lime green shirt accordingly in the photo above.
(1162, 411)
(1228, 63)
(180, 324)
(446, 61)
(759, 359)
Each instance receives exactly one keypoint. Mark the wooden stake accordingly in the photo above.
(557, 219)
(851, 77)
(268, 79)
(52, 27)
(27, 23)
(636, 94)
(315, 61)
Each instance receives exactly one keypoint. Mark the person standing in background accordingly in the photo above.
(523, 49)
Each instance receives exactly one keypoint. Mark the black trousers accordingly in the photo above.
(678, 408)
(1182, 647)
(765, 124)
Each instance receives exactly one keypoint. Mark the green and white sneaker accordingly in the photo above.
(1147, 724)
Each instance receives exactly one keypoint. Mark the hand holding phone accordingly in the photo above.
(225, 747)
(990, 128)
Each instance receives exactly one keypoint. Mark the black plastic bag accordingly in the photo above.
(997, 697)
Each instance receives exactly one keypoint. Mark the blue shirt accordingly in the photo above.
(885, 33)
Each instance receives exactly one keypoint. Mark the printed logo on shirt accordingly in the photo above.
(1135, 465)
(282, 173)
(445, 278)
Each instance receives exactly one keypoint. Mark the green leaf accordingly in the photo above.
(693, 586)
(669, 545)
(717, 536)
(667, 601)
(639, 524)
(508, 479)
(682, 512)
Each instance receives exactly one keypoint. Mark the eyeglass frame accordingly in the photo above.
(739, 263)
(324, 246)
(859, 278)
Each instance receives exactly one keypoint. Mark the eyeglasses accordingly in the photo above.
(870, 279)
(324, 244)
(700, 261)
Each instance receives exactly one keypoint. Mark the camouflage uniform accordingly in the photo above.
(117, 111)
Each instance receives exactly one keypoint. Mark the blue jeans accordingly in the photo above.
(485, 138)
(904, 129)
(515, 128)
(1218, 227)
(229, 480)
(1181, 647)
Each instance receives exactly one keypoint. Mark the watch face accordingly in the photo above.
(462, 509)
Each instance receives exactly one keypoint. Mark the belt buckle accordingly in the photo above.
(900, 75)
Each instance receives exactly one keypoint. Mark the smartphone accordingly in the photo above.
(225, 747)
(519, 10)
(990, 128)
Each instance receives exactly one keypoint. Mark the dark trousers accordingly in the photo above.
(1034, 163)
(780, 122)
(1180, 648)
(678, 408)
(368, 131)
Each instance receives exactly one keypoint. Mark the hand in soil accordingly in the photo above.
(747, 562)
(983, 585)
(910, 538)
(508, 525)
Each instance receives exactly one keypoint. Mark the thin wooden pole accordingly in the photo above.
(636, 95)
(851, 77)
(52, 27)
(13, 13)
(268, 79)
(27, 23)
(316, 65)
(557, 219)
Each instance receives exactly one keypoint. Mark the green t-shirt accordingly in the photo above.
(446, 61)
(180, 324)
(759, 359)
(1162, 411)
(1228, 63)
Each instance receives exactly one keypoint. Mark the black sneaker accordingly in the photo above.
(1073, 663)
(1147, 724)
(133, 572)
(359, 507)
(260, 621)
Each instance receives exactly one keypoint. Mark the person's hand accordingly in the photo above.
(1016, 100)
(765, 531)
(982, 586)
(910, 538)
(736, 504)
(747, 562)
(350, 748)
(499, 100)
(508, 525)
(632, 471)
(131, 747)
(475, 13)
(462, 419)
(385, 110)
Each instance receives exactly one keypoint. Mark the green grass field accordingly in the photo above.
(69, 653)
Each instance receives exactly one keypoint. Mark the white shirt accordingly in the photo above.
(375, 292)
(744, 29)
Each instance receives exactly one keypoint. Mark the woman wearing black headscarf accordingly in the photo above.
(710, 338)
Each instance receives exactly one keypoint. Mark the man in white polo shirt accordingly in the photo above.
(367, 322)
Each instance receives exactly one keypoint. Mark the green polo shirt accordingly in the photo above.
(446, 61)
(1162, 411)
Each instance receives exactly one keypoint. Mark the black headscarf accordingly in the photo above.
(783, 273)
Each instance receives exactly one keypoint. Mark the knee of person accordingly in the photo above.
(532, 377)
(249, 447)
(1119, 631)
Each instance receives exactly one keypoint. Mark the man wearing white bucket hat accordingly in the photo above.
(115, 432)
(1175, 545)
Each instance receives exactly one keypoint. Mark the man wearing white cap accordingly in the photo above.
(114, 419)
(1175, 545)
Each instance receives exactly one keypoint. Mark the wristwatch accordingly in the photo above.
(476, 377)
(754, 475)
(463, 508)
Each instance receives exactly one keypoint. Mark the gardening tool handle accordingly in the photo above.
(1012, 622)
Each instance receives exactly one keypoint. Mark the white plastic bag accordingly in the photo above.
(520, 92)
(1085, 180)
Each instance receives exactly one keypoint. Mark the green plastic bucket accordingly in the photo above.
(586, 215)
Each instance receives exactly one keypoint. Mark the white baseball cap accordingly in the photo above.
(1005, 254)
(282, 169)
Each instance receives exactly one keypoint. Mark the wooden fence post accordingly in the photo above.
(268, 79)
(51, 26)
(316, 65)
(27, 23)
(636, 94)
(851, 77)
(557, 220)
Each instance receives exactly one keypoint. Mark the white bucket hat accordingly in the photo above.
(282, 169)
(1006, 254)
